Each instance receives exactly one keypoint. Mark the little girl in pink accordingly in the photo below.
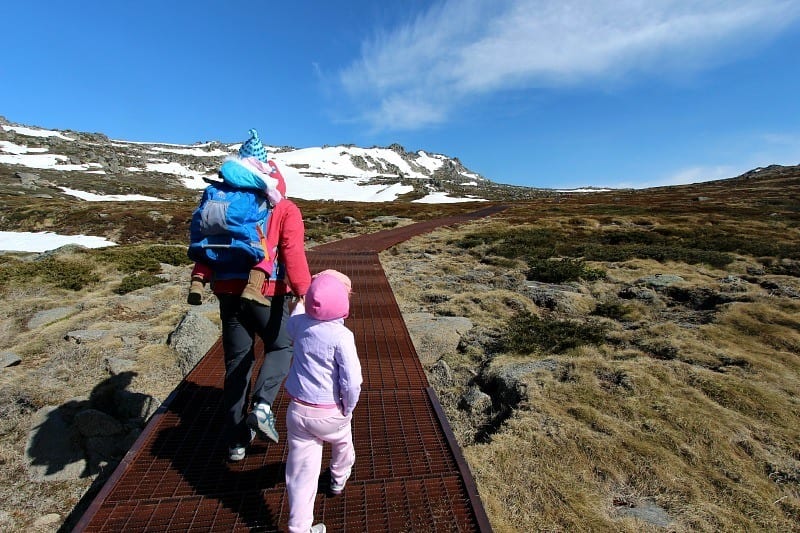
(324, 383)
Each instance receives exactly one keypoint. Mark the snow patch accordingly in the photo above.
(36, 132)
(24, 241)
(92, 197)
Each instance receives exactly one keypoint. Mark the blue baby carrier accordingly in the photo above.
(228, 229)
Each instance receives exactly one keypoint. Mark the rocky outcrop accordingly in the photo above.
(85, 436)
(192, 338)
(566, 299)
(48, 316)
(435, 336)
(9, 359)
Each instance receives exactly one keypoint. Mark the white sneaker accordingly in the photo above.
(338, 487)
(262, 419)
(237, 451)
(318, 528)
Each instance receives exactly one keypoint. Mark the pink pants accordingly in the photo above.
(307, 429)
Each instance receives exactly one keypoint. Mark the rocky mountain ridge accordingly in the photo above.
(56, 160)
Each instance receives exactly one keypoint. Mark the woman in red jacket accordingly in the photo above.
(282, 276)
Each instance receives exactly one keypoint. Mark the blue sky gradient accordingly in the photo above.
(543, 93)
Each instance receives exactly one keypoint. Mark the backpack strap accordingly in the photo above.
(263, 240)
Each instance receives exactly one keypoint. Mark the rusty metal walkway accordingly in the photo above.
(409, 473)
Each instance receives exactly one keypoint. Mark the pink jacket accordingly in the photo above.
(325, 368)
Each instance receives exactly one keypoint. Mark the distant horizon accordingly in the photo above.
(587, 188)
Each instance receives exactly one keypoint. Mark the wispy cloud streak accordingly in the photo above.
(416, 75)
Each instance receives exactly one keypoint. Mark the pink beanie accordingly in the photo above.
(338, 275)
(328, 297)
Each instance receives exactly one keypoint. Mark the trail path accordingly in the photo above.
(409, 473)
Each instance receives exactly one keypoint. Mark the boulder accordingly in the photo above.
(83, 335)
(9, 359)
(441, 374)
(475, 401)
(61, 250)
(54, 451)
(135, 406)
(647, 511)
(507, 379)
(94, 423)
(698, 298)
(118, 365)
(638, 293)
(192, 338)
(660, 281)
(27, 179)
(390, 220)
(102, 451)
(434, 336)
(564, 299)
(48, 316)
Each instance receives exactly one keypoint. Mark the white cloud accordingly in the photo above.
(416, 74)
(789, 142)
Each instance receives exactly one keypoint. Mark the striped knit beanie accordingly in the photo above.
(252, 147)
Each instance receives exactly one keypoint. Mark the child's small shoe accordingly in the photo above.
(195, 291)
(337, 487)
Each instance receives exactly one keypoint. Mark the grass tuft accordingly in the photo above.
(562, 270)
(526, 332)
(71, 274)
(137, 281)
(143, 258)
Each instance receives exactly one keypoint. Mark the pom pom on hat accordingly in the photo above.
(252, 147)
(328, 297)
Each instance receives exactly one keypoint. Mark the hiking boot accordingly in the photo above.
(318, 528)
(252, 291)
(195, 291)
(338, 486)
(238, 451)
(262, 419)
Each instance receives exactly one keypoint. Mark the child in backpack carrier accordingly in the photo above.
(251, 170)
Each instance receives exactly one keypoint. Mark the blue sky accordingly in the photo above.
(562, 93)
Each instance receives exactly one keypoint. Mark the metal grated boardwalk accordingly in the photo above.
(409, 473)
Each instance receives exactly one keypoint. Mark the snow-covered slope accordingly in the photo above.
(123, 170)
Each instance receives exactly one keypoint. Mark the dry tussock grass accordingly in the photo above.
(693, 410)
(776, 326)
(55, 371)
(658, 437)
